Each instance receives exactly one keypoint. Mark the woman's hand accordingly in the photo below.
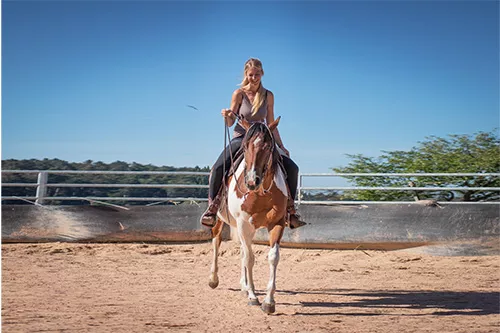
(227, 113)
(228, 116)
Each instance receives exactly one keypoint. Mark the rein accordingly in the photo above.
(271, 185)
(227, 135)
(269, 162)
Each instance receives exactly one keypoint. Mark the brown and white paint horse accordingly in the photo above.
(256, 198)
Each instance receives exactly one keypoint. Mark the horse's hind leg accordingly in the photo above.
(216, 240)
(275, 234)
(246, 233)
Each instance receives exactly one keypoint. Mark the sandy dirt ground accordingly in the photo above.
(67, 287)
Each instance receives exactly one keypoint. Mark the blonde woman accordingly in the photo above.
(256, 104)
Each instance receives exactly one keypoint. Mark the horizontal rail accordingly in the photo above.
(400, 174)
(96, 172)
(364, 188)
(340, 202)
(110, 185)
(42, 184)
(305, 202)
(198, 173)
(106, 198)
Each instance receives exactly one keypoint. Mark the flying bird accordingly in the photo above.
(192, 107)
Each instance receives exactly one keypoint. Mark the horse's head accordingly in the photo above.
(258, 148)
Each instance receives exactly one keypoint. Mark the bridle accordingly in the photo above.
(269, 162)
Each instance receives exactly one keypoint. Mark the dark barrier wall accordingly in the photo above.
(28, 223)
(339, 226)
(391, 226)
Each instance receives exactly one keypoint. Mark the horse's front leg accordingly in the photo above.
(275, 234)
(216, 240)
(246, 232)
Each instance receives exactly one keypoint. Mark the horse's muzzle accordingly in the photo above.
(252, 181)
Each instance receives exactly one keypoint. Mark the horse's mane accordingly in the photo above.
(259, 128)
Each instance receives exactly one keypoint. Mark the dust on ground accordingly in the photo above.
(65, 287)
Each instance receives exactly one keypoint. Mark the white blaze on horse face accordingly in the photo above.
(252, 175)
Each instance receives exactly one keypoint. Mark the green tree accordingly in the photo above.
(478, 153)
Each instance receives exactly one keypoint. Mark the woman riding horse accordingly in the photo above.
(254, 103)
(257, 197)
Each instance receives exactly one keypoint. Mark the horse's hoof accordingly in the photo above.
(268, 308)
(213, 284)
(253, 301)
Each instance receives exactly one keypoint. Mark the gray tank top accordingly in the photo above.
(246, 111)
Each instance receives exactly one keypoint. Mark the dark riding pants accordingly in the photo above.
(217, 172)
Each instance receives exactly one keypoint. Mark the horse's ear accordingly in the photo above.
(246, 125)
(274, 124)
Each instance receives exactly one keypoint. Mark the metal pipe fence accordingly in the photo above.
(43, 184)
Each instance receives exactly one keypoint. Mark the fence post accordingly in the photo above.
(41, 190)
(299, 190)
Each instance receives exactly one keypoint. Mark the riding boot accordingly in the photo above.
(294, 217)
(209, 217)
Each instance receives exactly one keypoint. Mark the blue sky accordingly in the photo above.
(110, 80)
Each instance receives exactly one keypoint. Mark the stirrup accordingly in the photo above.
(294, 221)
(209, 217)
(208, 220)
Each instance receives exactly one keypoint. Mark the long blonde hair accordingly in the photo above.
(260, 96)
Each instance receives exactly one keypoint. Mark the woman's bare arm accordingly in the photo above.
(228, 114)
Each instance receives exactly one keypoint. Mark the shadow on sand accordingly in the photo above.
(445, 303)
